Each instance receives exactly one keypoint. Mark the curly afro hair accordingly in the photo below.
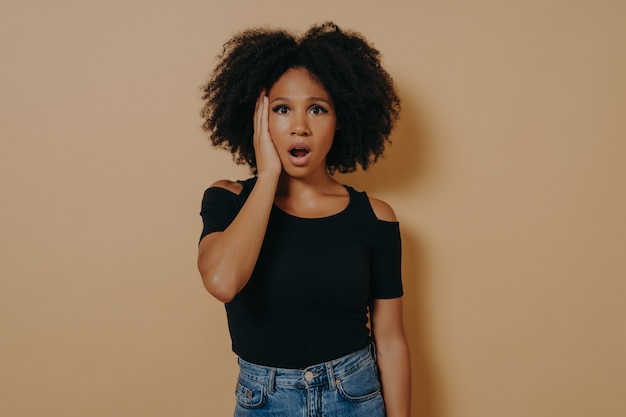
(345, 63)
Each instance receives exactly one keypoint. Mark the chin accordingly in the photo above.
(296, 172)
(300, 172)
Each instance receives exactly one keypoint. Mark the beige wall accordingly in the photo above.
(507, 172)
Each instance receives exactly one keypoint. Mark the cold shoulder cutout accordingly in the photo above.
(382, 210)
(234, 187)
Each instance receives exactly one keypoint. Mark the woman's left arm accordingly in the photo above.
(391, 346)
(393, 356)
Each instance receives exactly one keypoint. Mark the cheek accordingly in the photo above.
(327, 130)
(275, 125)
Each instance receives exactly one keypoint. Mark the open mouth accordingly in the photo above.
(299, 152)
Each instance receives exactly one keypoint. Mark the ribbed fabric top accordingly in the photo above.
(308, 297)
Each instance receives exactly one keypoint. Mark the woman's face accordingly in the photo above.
(302, 122)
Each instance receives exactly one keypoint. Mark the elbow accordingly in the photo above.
(218, 279)
(217, 287)
(225, 295)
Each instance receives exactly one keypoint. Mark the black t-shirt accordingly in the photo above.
(308, 297)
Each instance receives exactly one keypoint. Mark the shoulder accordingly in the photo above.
(234, 187)
(228, 194)
(382, 210)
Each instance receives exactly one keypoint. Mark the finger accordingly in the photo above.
(257, 114)
(265, 115)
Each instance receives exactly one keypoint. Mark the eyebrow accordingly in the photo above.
(308, 99)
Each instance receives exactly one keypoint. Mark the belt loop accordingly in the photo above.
(271, 381)
(331, 376)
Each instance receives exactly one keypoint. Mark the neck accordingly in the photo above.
(320, 183)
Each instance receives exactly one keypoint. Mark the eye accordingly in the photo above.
(317, 109)
(280, 109)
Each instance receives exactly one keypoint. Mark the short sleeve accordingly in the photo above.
(386, 260)
(219, 209)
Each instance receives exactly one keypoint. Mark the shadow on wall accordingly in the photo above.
(400, 173)
(405, 162)
(425, 399)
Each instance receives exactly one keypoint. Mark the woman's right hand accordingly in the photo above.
(267, 159)
(227, 259)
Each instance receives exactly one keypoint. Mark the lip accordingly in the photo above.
(299, 160)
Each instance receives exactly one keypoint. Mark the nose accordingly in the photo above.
(300, 126)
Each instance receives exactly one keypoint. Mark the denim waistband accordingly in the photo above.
(315, 375)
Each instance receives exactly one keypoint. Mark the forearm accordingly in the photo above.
(226, 259)
(395, 374)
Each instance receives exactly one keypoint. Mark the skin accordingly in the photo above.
(298, 111)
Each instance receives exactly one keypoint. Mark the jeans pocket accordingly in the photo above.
(361, 385)
(249, 394)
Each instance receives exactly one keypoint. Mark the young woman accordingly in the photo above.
(300, 260)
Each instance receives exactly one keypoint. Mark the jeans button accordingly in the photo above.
(308, 375)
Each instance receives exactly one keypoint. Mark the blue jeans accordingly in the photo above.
(346, 387)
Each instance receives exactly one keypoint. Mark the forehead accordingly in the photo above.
(298, 83)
